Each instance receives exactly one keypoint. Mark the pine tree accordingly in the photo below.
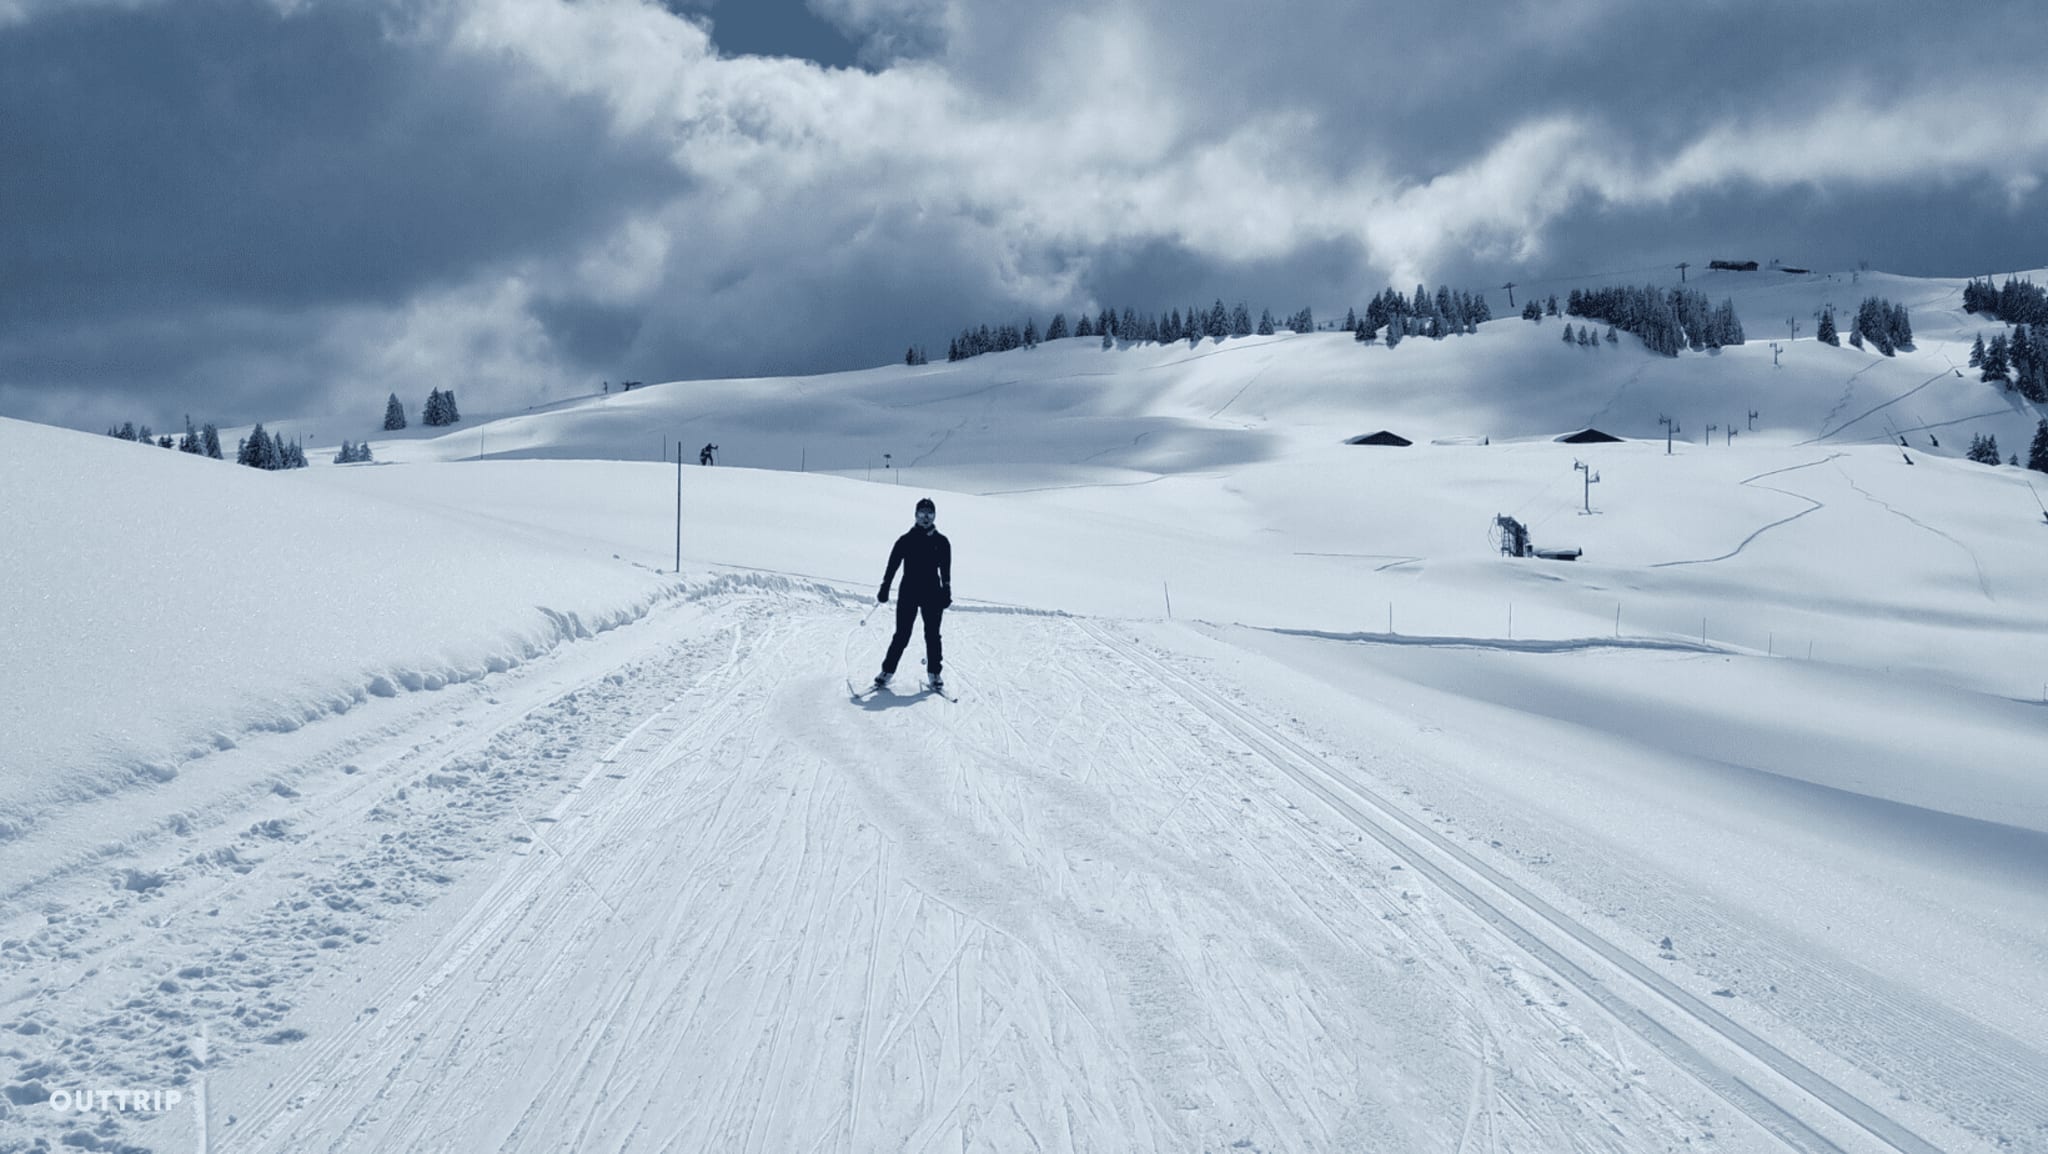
(1984, 450)
(1057, 330)
(1084, 327)
(1977, 353)
(1350, 320)
(440, 408)
(1856, 337)
(1826, 334)
(1266, 322)
(1611, 338)
(1394, 333)
(1996, 367)
(1108, 339)
(209, 438)
(1567, 334)
(2037, 454)
(394, 414)
(189, 443)
(1030, 333)
(1241, 320)
(253, 448)
(1550, 309)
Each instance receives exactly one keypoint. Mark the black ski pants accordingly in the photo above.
(907, 609)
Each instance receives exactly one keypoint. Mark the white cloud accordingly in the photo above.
(782, 163)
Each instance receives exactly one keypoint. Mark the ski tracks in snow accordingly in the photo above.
(1102, 904)
(1877, 1037)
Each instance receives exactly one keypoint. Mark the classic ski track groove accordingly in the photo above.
(479, 932)
(1400, 832)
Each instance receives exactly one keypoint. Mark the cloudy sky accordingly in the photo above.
(251, 209)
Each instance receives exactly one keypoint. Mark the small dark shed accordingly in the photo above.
(1587, 437)
(1383, 437)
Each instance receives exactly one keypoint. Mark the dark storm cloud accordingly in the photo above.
(173, 163)
(288, 205)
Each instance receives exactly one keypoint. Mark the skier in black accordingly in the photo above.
(927, 560)
(704, 454)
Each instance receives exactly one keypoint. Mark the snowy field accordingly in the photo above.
(425, 805)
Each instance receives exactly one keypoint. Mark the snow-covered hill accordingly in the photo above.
(425, 805)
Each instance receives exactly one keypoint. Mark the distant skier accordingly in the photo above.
(927, 560)
(704, 454)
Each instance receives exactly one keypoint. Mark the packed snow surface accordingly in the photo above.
(428, 805)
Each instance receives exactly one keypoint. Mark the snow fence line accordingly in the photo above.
(1562, 645)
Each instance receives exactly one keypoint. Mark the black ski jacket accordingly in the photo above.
(927, 561)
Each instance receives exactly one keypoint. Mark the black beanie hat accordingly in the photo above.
(926, 503)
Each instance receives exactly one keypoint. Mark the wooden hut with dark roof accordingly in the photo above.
(1383, 437)
(1588, 437)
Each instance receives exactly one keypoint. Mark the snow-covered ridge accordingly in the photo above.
(161, 607)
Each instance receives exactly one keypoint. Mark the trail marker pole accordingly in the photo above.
(679, 504)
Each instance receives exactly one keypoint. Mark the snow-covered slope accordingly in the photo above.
(1279, 811)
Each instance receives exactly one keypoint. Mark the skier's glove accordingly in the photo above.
(945, 598)
(882, 595)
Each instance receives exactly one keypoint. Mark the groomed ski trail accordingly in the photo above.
(1086, 913)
